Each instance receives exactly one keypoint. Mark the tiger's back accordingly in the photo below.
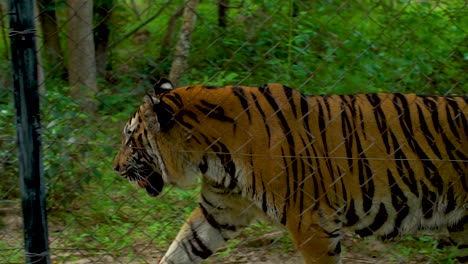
(378, 164)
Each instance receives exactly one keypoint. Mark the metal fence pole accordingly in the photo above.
(26, 96)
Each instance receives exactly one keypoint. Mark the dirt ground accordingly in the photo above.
(268, 249)
(270, 254)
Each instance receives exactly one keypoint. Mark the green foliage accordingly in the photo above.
(15, 255)
(425, 246)
(9, 187)
(125, 218)
(68, 133)
(338, 48)
(329, 47)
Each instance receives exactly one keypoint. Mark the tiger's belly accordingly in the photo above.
(388, 221)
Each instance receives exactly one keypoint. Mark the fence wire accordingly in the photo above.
(99, 58)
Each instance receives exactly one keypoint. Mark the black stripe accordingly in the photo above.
(335, 251)
(165, 115)
(318, 169)
(213, 111)
(289, 138)
(450, 121)
(238, 91)
(175, 99)
(321, 125)
(288, 191)
(428, 201)
(203, 166)
(324, 116)
(351, 217)
(310, 170)
(455, 154)
(198, 247)
(404, 115)
(430, 140)
(179, 117)
(264, 198)
(314, 171)
(366, 181)
(430, 170)
(399, 203)
(348, 133)
(139, 138)
(208, 141)
(210, 219)
(210, 204)
(211, 87)
(190, 115)
(267, 127)
(456, 157)
(361, 121)
(333, 234)
(302, 182)
(451, 202)
(187, 251)
(460, 117)
(432, 107)
(305, 111)
(456, 117)
(380, 218)
(380, 119)
(305, 119)
(253, 178)
(344, 195)
(459, 226)
(196, 139)
(288, 92)
(403, 167)
(223, 153)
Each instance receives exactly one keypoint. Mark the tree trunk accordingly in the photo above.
(223, 6)
(169, 37)
(82, 62)
(182, 50)
(101, 34)
(50, 37)
(4, 27)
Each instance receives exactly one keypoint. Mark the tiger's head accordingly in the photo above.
(139, 159)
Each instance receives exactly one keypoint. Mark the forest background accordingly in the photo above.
(98, 58)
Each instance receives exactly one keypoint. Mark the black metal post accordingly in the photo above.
(22, 34)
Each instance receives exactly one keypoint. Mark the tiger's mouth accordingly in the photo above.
(147, 178)
(153, 183)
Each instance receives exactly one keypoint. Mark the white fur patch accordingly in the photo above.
(167, 86)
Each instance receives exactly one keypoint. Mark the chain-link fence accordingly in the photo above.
(98, 59)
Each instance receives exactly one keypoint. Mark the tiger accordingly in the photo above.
(381, 164)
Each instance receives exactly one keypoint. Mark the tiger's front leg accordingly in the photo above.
(219, 217)
(197, 240)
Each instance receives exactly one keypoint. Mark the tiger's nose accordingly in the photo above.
(116, 165)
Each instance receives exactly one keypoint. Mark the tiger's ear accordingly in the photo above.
(163, 85)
